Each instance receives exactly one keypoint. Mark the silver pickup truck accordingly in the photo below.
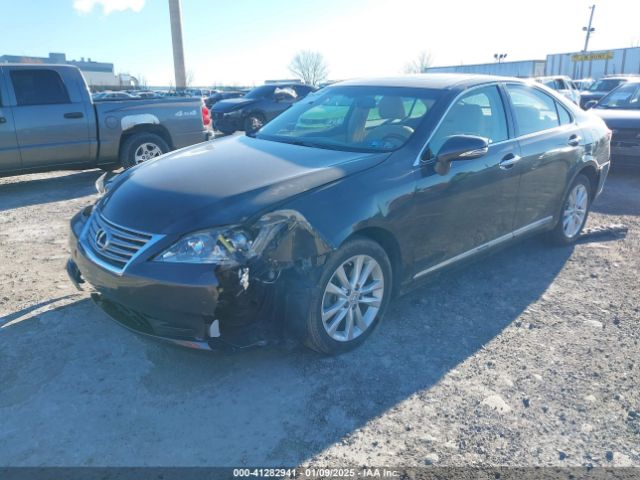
(49, 122)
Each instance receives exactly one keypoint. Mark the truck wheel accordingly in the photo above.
(253, 123)
(142, 147)
(226, 131)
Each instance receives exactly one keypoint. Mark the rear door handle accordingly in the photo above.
(3, 120)
(574, 140)
(74, 115)
(509, 161)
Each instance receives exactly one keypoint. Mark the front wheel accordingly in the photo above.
(253, 123)
(349, 299)
(575, 210)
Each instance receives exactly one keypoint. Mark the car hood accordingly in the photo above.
(618, 118)
(223, 106)
(222, 182)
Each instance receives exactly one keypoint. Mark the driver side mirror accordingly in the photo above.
(459, 147)
(590, 104)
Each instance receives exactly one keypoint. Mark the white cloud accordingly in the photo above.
(108, 6)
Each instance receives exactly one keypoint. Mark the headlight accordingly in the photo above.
(230, 246)
(224, 247)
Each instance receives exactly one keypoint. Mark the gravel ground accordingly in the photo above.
(528, 357)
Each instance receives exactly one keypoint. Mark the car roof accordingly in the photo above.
(429, 80)
(551, 77)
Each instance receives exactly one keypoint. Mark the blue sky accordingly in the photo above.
(248, 41)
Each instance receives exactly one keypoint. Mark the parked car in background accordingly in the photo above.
(116, 96)
(48, 121)
(600, 88)
(214, 98)
(563, 85)
(259, 106)
(583, 83)
(620, 109)
(320, 227)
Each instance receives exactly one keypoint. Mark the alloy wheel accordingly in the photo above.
(146, 151)
(352, 298)
(575, 211)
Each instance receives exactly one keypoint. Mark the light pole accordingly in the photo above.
(499, 57)
(175, 15)
(589, 29)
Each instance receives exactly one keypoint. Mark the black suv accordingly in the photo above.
(257, 107)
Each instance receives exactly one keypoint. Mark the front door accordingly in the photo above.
(474, 204)
(9, 152)
(51, 128)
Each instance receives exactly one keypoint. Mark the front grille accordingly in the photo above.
(114, 244)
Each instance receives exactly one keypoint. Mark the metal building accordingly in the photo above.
(595, 64)
(525, 68)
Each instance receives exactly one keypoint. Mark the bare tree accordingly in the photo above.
(309, 66)
(420, 63)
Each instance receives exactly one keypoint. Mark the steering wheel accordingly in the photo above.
(396, 135)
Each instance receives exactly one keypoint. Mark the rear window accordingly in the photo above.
(38, 87)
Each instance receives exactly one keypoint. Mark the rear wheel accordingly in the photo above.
(575, 210)
(142, 147)
(349, 299)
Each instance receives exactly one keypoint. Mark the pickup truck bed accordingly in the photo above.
(48, 121)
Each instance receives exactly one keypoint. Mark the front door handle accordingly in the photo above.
(74, 115)
(3, 120)
(509, 161)
(574, 140)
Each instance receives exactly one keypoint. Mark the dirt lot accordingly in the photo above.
(529, 357)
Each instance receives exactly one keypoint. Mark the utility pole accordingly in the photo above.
(175, 15)
(589, 29)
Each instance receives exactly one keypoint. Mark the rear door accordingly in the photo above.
(9, 152)
(50, 119)
(550, 144)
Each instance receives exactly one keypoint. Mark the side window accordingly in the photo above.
(534, 110)
(38, 87)
(479, 112)
(563, 114)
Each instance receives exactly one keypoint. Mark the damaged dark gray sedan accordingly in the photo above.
(348, 198)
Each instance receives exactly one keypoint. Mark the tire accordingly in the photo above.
(227, 131)
(363, 317)
(152, 145)
(578, 201)
(253, 123)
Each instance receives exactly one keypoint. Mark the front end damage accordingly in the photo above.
(212, 307)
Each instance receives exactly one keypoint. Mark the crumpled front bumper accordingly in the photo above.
(175, 302)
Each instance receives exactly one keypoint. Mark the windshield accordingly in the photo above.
(260, 92)
(605, 85)
(624, 97)
(368, 119)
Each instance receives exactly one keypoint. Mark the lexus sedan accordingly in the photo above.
(620, 109)
(310, 228)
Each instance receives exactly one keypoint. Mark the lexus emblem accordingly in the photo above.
(102, 239)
